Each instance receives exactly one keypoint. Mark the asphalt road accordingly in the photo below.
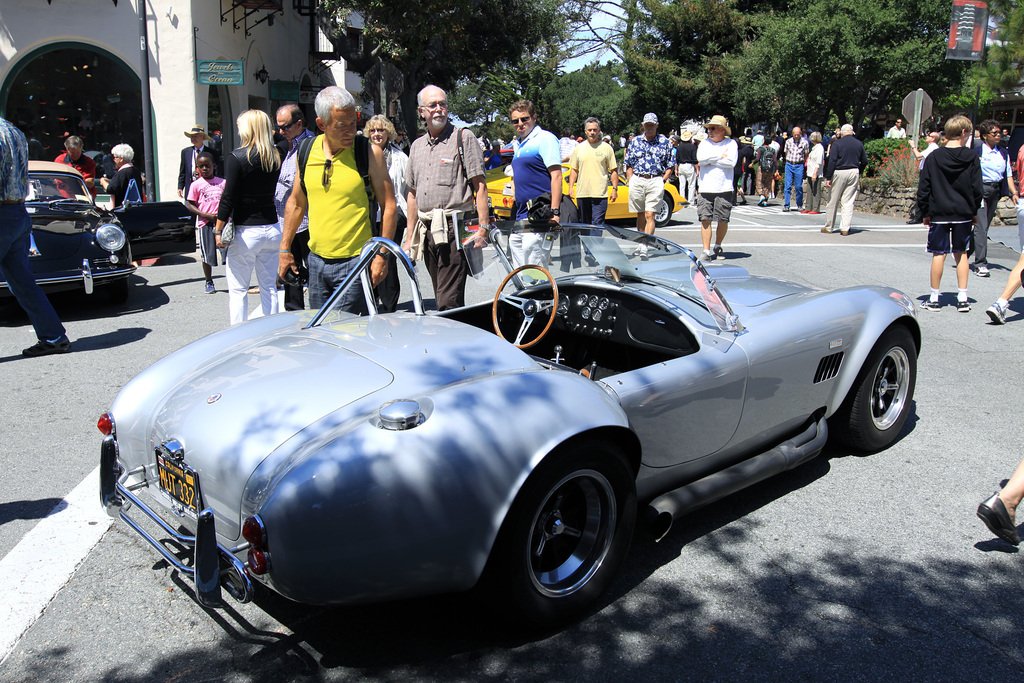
(848, 568)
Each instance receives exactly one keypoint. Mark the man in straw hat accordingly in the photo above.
(187, 172)
(717, 156)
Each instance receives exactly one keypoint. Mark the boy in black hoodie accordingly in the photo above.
(949, 193)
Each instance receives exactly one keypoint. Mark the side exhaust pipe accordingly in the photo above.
(667, 508)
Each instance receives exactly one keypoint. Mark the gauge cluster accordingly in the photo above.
(592, 314)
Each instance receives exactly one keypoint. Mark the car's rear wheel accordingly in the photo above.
(118, 290)
(663, 212)
(566, 534)
(873, 415)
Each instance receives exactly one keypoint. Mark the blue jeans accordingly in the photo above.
(15, 227)
(592, 210)
(794, 178)
(324, 277)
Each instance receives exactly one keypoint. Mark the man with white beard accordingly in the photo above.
(443, 177)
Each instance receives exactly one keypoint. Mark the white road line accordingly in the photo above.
(846, 244)
(797, 228)
(45, 559)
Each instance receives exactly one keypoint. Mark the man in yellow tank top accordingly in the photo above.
(339, 210)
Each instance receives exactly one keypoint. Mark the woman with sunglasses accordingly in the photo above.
(251, 173)
(381, 132)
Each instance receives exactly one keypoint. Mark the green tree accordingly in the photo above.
(440, 43)
(595, 90)
(676, 54)
(856, 59)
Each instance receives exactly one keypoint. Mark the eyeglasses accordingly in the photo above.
(286, 127)
(436, 105)
(326, 180)
(522, 119)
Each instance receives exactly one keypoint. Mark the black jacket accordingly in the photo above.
(185, 171)
(846, 152)
(949, 188)
(248, 190)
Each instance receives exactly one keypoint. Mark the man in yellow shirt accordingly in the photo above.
(590, 166)
(339, 209)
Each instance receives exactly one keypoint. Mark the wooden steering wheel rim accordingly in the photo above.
(551, 316)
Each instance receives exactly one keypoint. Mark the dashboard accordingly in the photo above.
(622, 317)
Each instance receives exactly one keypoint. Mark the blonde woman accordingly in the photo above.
(381, 132)
(250, 180)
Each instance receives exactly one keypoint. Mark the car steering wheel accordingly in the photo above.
(530, 308)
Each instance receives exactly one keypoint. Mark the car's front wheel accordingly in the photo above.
(566, 534)
(873, 415)
(663, 212)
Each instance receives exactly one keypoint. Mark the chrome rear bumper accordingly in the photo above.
(213, 565)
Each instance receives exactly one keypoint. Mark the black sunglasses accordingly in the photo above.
(326, 180)
(523, 119)
(288, 126)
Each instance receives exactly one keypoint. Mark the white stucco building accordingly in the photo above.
(74, 67)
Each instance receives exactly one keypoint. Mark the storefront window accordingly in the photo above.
(76, 91)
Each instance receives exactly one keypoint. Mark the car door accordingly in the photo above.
(686, 408)
(158, 228)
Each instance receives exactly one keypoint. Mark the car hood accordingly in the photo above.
(749, 291)
(243, 403)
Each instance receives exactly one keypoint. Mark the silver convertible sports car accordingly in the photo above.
(506, 446)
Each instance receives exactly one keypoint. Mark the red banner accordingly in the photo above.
(967, 30)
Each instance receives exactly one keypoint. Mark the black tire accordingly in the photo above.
(118, 290)
(879, 402)
(566, 535)
(663, 212)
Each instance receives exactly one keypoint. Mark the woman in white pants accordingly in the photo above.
(250, 180)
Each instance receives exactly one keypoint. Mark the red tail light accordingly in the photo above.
(259, 563)
(105, 424)
(254, 531)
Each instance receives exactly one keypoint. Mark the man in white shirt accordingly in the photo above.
(717, 155)
(897, 132)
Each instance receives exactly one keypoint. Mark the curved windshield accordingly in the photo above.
(45, 187)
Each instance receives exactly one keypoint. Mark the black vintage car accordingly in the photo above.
(76, 245)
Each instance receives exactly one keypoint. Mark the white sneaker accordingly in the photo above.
(982, 271)
(707, 255)
(997, 313)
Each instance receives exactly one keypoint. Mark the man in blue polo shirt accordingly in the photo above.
(536, 170)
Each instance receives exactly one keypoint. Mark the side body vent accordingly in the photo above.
(828, 367)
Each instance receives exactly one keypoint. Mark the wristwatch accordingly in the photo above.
(556, 212)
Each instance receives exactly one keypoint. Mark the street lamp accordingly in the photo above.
(262, 74)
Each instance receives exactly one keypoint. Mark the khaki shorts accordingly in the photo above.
(645, 193)
(715, 206)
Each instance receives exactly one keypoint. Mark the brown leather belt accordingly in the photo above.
(647, 175)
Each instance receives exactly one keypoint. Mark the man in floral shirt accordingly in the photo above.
(648, 163)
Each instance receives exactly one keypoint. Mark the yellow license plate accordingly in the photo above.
(180, 482)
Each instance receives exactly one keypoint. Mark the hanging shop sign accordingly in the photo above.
(220, 72)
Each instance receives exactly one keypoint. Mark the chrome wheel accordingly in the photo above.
(572, 533)
(663, 212)
(889, 388)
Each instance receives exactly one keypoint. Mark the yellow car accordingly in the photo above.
(500, 195)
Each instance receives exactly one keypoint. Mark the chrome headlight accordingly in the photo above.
(111, 237)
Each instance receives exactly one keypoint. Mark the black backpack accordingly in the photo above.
(767, 158)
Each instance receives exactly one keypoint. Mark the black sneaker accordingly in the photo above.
(931, 305)
(963, 307)
(46, 348)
